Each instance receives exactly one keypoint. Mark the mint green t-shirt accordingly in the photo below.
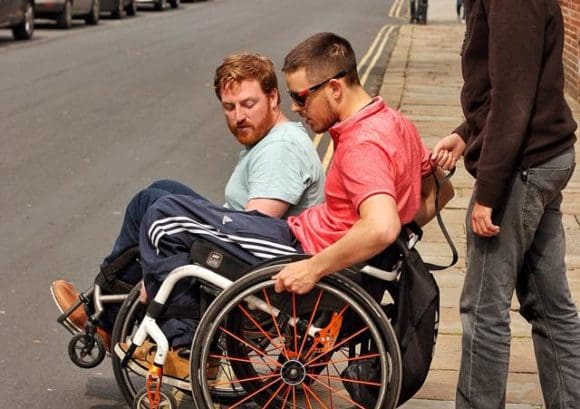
(284, 165)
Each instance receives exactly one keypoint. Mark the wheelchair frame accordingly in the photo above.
(152, 394)
(86, 348)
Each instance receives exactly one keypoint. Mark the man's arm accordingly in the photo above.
(378, 227)
(270, 207)
(427, 210)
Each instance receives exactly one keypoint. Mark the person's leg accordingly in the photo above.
(173, 223)
(543, 291)
(65, 294)
(129, 235)
(492, 266)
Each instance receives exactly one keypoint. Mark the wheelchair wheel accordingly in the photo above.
(128, 319)
(86, 351)
(130, 383)
(166, 401)
(329, 348)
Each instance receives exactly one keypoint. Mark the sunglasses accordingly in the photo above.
(301, 97)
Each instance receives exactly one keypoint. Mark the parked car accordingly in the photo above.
(160, 4)
(63, 11)
(17, 15)
(118, 7)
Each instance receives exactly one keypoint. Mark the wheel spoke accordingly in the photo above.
(250, 396)
(338, 393)
(275, 322)
(260, 329)
(314, 310)
(244, 342)
(341, 343)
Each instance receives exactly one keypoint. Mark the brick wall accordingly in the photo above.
(571, 12)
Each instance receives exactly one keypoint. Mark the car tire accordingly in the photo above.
(131, 9)
(24, 30)
(93, 17)
(64, 19)
(118, 12)
(160, 5)
(174, 3)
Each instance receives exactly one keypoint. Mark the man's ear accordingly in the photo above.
(336, 89)
(274, 98)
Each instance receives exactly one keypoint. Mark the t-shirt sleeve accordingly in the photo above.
(367, 170)
(277, 171)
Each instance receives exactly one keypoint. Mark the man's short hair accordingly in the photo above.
(243, 67)
(322, 56)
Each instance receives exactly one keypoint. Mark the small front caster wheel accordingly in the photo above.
(86, 351)
(166, 400)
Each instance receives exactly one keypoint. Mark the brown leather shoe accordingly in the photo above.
(65, 295)
(176, 364)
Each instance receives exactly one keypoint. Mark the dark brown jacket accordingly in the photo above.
(513, 100)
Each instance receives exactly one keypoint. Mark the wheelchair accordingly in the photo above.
(333, 347)
(87, 349)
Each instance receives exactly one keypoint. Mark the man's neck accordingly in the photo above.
(279, 117)
(355, 100)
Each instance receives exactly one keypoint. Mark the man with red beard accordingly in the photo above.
(278, 174)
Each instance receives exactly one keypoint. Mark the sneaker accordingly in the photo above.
(65, 295)
(175, 369)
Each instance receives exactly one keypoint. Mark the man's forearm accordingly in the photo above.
(362, 242)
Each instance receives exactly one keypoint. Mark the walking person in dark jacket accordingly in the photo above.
(517, 141)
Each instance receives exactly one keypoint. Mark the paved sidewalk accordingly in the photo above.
(423, 80)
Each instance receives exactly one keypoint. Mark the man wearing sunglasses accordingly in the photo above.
(373, 186)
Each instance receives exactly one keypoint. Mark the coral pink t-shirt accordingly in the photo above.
(377, 151)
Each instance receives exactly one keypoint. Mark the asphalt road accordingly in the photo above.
(91, 115)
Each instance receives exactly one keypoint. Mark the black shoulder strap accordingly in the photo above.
(455, 256)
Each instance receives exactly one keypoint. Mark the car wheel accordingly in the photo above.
(160, 5)
(24, 30)
(93, 17)
(64, 19)
(118, 12)
(131, 9)
(174, 3)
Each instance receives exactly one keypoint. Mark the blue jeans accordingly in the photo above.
(129, 235)
(526, 257)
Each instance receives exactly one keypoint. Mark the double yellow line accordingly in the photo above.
(372, 55)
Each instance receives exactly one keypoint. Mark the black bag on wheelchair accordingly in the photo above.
(415, 317)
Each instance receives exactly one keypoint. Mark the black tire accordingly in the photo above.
(86, 353)
(119, 11)
(64, 19)
(93, 17)
(160, 5)
(175, 3)
(129, 317)
(272, 358)
(24, 30)
(131, 9)
(167, 401)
